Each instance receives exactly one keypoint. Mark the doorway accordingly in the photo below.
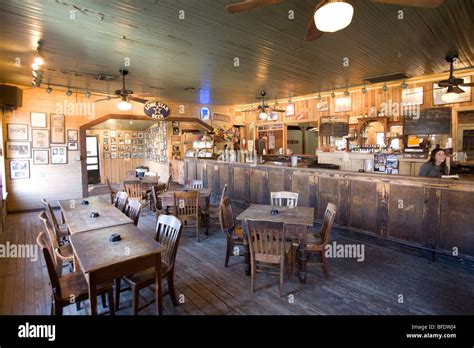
(92, 160)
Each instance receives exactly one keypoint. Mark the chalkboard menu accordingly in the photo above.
(337, 126)
(427, 121)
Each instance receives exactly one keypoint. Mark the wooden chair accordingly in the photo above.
(267, 248)
(193, 184)
(290, 199)
(60, 253)
(61, 231)
(233, 233)
(168, 232)
(70, 286)
(224, 190)
(155, 200)
(133, 211)
(113, 192)
(316, 242)
(135, 190)
(186, 207)
(168, 183)
(121, 201)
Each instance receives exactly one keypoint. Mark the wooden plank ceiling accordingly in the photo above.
(168, 54)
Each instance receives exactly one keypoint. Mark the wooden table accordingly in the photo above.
(78, 218)
(167, 198)
(102, 261)
(298, 220)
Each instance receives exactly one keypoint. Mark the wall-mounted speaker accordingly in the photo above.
(10, 96)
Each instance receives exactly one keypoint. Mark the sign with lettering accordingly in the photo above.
(220, 117)
(204, 113)
(428, 121)
(337, 126)
(157, 110)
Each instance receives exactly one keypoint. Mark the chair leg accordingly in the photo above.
(325, 265)
(110, 295)
(252, 275)
(136, 299)
(282, 272)
(171, 289)
(117, 293)
(228, 251)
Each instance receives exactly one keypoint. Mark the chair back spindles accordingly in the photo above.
(226, 217)
(44, 243)
(134, 210)
(284, 198)
(134, 190)
(328, 220)
(186, 208)
(121, 200)
(224, 190)
(168, 233)
(53, 243)
(193, 184)
(52, 217)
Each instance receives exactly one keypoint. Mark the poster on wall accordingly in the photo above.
(57, 129)
(58, 154)
(19, 170)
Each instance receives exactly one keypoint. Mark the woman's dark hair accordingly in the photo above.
(444, 167)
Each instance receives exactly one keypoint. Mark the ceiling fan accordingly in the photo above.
(452, 83)
(125, 94)
(329, 15)
(265, 107)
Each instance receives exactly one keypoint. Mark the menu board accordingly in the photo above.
(337, 126)
(428, 121)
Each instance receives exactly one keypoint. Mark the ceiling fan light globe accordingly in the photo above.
(263, 116)
(449, 97)
(124, 105)
(333, 16)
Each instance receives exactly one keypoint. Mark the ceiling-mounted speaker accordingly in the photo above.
(10, 96)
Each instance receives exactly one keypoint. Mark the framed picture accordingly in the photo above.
(140, 135)
(113, 155)
(58, 154)
(106, 148)
(290, 109)
(106, 134)
(127, 155)
(40, 157)
(57, 129)
(19, 170)
(72, 135)
(107, 155)
(72, 146)
(438, 92)
(106, 141)
(112, 134)
(343, 104)
(113, 148)
(134, 155)
(175, 131)
(17, 131)
(175, 124)
(412, 96)
(121, 155)
(18, 149)
(322, 106)
(134, 134)
(113, 140)
(40, 137)
(38, 119)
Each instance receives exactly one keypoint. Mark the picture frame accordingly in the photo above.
(175, 131)
(38, 119)
(140, 135)
(134, 134)
(412, 96)
(322, 106)
(58, 155)
(72, 146)
(343, 104)
(107, 155)
(113, 155)
(113, 148)
(105, 134)
(58, 135)
(175, 124)
(112, 134)
(290, 109)
(72, 135)
(438, 92)
(106, 148)
(19, 169)
(113, 140)
(17, 131)
(106, 141)
(40, 138)
(40, 157)
(18, 149)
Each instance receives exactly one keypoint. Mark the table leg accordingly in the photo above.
(92, 294)
(246, 256)
(158, 289)
(302, 261)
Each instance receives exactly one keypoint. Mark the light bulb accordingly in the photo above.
(333, 16)
(263, 116)
(124, 105)
(39, 61)
(35, 66)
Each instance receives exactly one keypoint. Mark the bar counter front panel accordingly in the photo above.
(432, 214)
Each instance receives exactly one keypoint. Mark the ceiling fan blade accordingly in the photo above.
(458, 90)
(140, 100)
(313, 33)
(277, 110)
(103, 99)
(415, 3)
(469, 84)
(250, 5)
(444, 83)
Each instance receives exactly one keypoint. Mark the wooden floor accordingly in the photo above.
(205, 286)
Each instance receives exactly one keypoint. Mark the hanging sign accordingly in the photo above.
(157, 110)
(204, 114)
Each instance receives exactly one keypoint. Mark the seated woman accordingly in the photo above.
(436, 166)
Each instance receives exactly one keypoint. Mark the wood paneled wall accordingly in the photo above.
(64, 181)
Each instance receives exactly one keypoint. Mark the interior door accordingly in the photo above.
(92, 160)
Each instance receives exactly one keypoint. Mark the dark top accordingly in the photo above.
(428, 169)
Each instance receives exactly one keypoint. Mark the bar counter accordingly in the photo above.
(432, 215)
